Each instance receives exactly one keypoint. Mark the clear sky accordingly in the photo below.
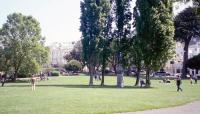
(59, 19)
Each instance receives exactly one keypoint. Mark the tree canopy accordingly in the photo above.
(93, 22)
(155, 30)
(194, 62)
(21, 37)
(187, 24)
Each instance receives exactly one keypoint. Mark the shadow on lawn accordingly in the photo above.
(83, 86)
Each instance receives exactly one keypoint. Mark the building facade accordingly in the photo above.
(58, 51)
(174, 66)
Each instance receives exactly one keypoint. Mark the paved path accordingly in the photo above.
(190, 108)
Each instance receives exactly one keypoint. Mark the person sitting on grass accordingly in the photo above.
(33, 80)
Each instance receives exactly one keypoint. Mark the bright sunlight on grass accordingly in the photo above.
(71, 95)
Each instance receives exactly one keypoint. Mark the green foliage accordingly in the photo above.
(122, 34)
(55, 73)
(73, 65)
(194, 62)
(75, 53)
(29, 67)
(155, 30)
(186, 27)
(95, 29)
(21, 36)
(90, 28)
(123, 19)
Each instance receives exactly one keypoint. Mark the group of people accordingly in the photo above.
(33, 79)
(178, 82)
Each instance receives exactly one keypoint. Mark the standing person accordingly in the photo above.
(33, 80)
(195, 79)
(3, 79)
(142, 82)
(178, 83)
(191, 80)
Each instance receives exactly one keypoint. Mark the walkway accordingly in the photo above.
(191, 108)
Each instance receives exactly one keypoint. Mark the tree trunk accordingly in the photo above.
(148, 83)
(103, 71)
(91, 75)
(114, 65)
(102, 79)
(137, 76)
(115, 69)
(120, 75)
(185, 58)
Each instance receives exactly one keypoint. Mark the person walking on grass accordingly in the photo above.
(33, 80)
(178, 83)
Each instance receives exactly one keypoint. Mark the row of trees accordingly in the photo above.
(22, 49)
(143, 37)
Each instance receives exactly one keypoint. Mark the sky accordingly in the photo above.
(59, 19)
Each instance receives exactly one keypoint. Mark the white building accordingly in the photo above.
(58, 51)
(175, 65)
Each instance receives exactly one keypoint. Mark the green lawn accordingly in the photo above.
(71, 95)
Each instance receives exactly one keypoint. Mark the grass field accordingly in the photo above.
(71, 95)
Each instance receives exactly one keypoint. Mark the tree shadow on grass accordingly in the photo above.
(18, 81)
(84, 86)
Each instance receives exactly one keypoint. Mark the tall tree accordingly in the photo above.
(123, 26)
(91, 32)
(104, 44)
(186, 27)
(136, 57)
(20, 38)
(155, 31)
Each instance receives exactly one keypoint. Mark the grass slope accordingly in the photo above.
(71, 95)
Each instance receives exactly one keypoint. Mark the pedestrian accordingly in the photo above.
(3, 79)
(195, 79)
(142, 82)
(191, 80)
(178, 83)
(33, 80)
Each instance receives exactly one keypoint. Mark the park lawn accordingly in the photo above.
(71, 95)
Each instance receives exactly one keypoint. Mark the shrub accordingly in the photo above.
(73, 65)
(55, 73)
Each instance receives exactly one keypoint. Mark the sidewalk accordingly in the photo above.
(190, 108)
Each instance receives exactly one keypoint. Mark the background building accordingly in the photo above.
(58, 51)
(174, 66)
